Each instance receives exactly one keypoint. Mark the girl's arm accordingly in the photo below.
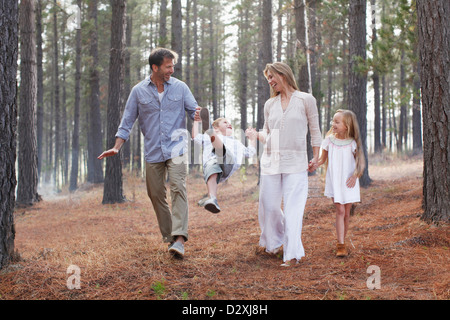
(351, 182)
(323, 157)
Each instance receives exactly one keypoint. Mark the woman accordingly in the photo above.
(284, 162)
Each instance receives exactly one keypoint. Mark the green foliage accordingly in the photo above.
(159, 288)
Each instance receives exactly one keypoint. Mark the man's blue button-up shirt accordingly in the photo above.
(163, 124)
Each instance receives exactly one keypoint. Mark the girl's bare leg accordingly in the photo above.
(340, 222)
(348, 207)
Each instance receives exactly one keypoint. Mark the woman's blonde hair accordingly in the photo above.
(283, 70)
(351, 122)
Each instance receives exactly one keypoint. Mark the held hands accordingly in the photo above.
(313, 165)
(251, 134)
(197, 114)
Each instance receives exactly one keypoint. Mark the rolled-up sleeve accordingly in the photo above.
(313, 121)
(190, 104)
(265, 130)
(129, 117)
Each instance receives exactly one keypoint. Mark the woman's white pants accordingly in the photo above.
(283, 227)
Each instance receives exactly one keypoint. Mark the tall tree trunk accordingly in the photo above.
(357, 80)
(40, 85)
(417, 114)
(27, 157)
(376, 86)
(187, 72)
(313, 36)
(126, 148)
(65, 134)
(95, 145)
(76, 113)
(113, 191)
(434, 46)
(9, 43)
(264, 57)
(243, 43)
(56, 97)
(304, 79)
(177, 37)
(213, 57)
(196, 54)
(402, 120)
(383, 112)
(279, 29)
(187, 45)
(163, 41)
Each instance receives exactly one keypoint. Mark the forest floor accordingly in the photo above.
(120, 254)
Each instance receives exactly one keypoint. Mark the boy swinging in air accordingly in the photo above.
(222, 153)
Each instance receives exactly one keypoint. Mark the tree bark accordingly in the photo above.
(376, 86)
(163, 41)
(113, 190)
(95, 145)
(417, 114)
(196, 92)
(177, 37)
(9, 43)
(27, 156)
(264, 57)
(40, 85)
(357, 80)
(402, 121)
(243, 43)
(213, 64)
(76, 113)
(304, 79)
(57, 114)
(434, 46)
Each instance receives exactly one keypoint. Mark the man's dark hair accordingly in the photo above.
(157, 56)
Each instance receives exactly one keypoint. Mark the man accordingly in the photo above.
(160, 102)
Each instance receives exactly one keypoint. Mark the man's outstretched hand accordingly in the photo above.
(108, 153)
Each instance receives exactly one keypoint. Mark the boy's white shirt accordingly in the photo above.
(234, 147)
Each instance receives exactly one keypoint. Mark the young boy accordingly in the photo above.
(222, 153)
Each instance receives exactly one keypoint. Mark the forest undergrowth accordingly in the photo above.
(120, 255)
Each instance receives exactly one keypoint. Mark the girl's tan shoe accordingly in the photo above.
(341, 250)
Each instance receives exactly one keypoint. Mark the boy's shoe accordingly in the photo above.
(202, 201)
(204, 115)
(341, 250)
(177, 250)
(212, 206)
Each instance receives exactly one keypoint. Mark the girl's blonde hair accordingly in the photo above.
(351, 122)
(283, 70)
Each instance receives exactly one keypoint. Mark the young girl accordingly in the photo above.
(342, 151)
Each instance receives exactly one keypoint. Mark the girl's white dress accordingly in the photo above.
(341, 166)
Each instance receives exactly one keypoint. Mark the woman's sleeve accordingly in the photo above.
(265, 131)
(313, 121)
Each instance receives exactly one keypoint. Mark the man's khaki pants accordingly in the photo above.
(175, 223)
